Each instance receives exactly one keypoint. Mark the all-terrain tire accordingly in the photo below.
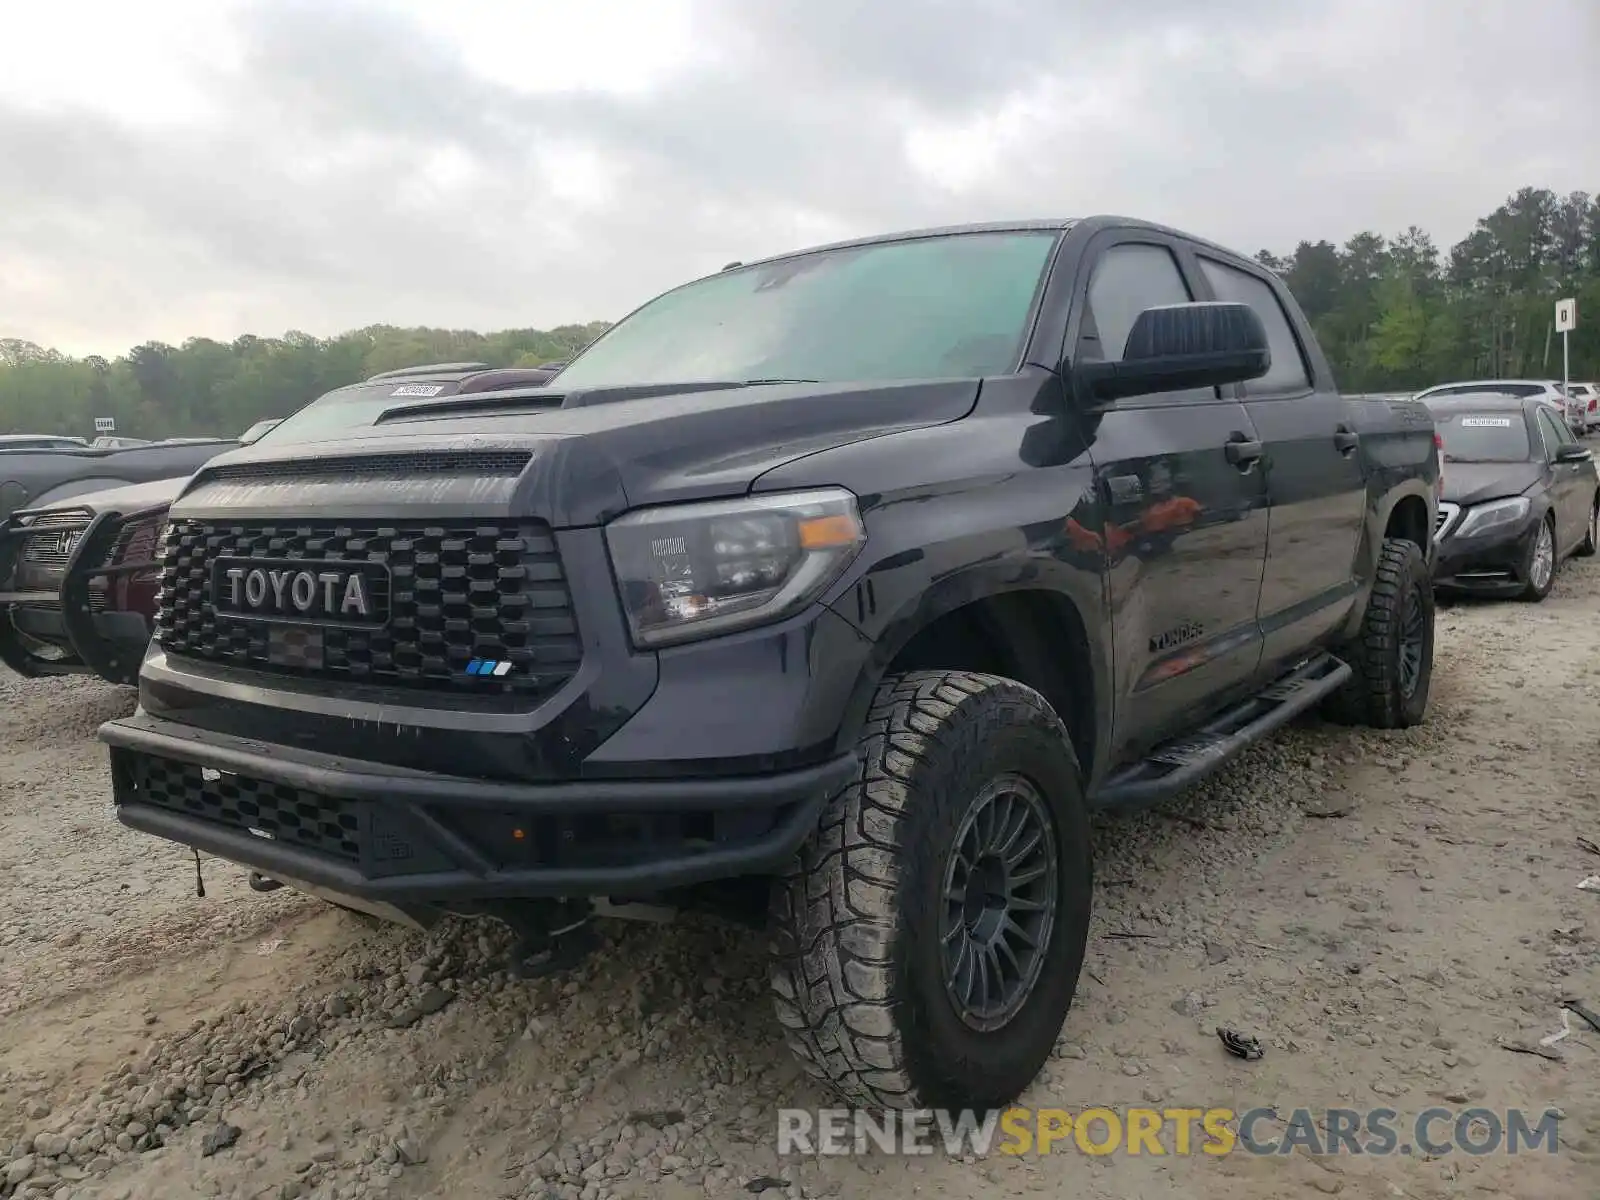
(1376, 694)
(857, 971)
(1591, 542)
(1533, 592)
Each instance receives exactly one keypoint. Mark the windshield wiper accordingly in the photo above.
(764, 382)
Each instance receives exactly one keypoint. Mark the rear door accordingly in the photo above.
(1316, 484)
(1183, 505)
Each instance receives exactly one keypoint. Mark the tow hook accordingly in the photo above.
(552, 936)
(260, 883)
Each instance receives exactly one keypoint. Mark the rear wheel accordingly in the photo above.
(927, 943)
(1391, 659)
(1539, 568)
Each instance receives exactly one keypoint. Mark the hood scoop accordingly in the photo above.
(441, 483)
(380, 466)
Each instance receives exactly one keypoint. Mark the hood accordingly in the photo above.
(574, 458)
(38, 479)
(130, 498)
(1473, 483)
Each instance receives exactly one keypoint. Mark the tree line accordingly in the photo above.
(211, 388)
(1392, 314)
(1396, 314)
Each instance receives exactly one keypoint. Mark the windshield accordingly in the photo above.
(1483, 437)
(955, 306)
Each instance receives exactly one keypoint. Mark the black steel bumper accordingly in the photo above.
(405, 837)
(106, 642)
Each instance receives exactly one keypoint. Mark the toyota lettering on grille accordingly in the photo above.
(318, 593)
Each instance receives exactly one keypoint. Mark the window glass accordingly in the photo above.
(1482, 436)
(1127, 280)
(1288, 372)
(955, 306)
(1555, 432)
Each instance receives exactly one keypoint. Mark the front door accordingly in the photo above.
(1183, 515)
(1315, 481)
(1569, 483)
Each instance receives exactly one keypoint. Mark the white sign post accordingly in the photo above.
(1566, 322)
(105, 424)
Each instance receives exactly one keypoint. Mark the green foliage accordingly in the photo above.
(208, 388)
(1393, 314)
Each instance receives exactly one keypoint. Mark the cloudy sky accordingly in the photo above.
(174, 168)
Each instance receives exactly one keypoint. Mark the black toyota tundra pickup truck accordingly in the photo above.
(832, 589)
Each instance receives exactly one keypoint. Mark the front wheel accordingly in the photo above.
(1540, 567)
(927, 942)
(1391, 659)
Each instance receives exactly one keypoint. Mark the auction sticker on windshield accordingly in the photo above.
(1486, 422)
(418, 389)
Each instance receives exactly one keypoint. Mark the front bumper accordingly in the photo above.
(397, 836)
(30, 611)
(1491, 564)
(90, 636)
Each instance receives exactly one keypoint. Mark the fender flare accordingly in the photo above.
(991, 581)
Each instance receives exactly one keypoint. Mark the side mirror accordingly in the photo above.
(1181, 346)
(1574, 454)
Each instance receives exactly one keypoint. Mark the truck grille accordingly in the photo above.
(273, 812)
(456, 592)
(51, 547)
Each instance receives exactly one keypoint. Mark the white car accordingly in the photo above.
(1550, 389)
(1587, 394)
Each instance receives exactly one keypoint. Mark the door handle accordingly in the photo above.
(1241, 451)
(1345, 440)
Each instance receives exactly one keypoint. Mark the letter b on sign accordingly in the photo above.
(1566, 315)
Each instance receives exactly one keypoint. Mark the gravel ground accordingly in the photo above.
(1385, 911)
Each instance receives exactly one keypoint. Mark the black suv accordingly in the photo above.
(833, 588)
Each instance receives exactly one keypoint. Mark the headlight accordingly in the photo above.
(1493, 515)
(692, 570)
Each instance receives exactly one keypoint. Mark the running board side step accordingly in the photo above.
(1174, 765)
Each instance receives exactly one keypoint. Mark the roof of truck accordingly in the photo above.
(1022, 225)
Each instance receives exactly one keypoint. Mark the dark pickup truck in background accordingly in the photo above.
(835, 588)
(78, 582)
(77, 531)
(32, 478)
